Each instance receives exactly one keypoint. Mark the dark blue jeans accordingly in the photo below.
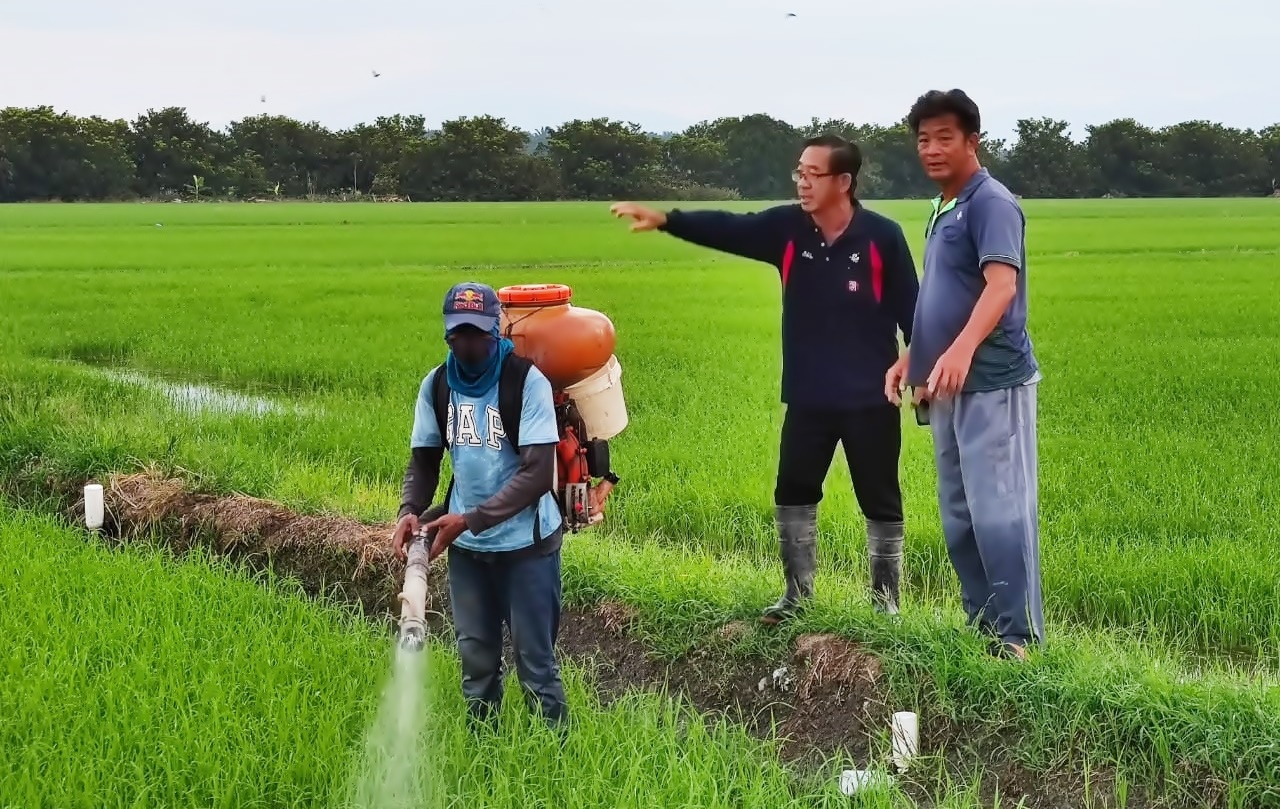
(487, 591)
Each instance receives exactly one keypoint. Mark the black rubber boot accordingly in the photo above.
(884, 554)
(798, 541)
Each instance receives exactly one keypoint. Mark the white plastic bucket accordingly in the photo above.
(600, 403)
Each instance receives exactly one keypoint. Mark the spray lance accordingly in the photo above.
(413, 597)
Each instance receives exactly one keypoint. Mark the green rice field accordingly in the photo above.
(276, 350)
(150, 684)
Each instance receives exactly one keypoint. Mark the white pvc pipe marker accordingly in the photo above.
(906, 738)
(853, 781)
(93, 506)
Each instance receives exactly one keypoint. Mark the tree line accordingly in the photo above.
(47, 155)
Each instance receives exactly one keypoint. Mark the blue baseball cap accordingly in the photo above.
(472, 304)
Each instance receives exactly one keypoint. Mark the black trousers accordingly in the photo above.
(872, 441)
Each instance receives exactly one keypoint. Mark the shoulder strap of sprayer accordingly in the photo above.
(511, 380)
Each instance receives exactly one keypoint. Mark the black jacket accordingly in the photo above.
(843, 304)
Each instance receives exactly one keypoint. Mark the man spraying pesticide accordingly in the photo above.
(515, 489)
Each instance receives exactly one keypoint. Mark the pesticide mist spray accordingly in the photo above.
(392, 774)
(393, 771)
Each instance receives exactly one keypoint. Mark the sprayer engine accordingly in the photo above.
(579, 459)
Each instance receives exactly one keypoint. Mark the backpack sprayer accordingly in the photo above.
(573, 348)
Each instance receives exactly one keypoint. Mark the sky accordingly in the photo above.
(664, 64)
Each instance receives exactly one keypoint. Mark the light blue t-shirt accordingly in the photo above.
(483, 460)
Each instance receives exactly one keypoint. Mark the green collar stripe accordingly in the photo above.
(938, 210)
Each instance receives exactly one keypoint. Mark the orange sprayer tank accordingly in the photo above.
(568, 343)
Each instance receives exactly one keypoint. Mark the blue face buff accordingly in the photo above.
(477, 379)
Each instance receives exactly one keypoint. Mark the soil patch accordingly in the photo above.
(826, 698)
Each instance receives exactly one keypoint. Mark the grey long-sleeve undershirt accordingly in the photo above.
(534, 478)
(421, 477)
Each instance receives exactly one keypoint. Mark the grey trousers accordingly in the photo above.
(985, 448)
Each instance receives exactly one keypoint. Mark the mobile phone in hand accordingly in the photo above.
(922, 412)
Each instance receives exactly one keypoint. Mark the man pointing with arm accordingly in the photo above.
(848, 286)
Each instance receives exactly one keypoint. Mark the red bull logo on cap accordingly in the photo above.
(469, 299)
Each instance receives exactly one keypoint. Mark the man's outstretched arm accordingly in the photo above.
(760, 235)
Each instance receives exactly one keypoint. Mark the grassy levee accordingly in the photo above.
(131, 681)
(1091, 697)
(1153, 321)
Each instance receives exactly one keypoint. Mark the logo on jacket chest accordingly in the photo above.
(828, 269)
(854, 258)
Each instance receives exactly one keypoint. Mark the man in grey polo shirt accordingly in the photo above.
(974, 376)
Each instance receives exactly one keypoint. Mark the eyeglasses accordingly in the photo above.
(797, 175)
